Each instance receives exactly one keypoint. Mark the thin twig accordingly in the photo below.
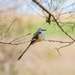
(11, 42)
(65, 46)
(8, 28)
(58, 41)
(19, 37)
(11, 25)
(19, 43)
(14, 43)
(35, 11)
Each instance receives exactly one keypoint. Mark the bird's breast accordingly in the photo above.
(42, 35)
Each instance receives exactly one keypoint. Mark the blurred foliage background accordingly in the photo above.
(41, 58)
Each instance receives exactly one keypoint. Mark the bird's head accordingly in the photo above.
(41, 29)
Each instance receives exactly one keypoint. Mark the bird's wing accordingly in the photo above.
(35, 37)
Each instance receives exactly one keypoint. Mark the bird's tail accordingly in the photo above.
(24, 52)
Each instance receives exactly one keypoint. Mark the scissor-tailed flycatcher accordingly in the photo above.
(37, 37)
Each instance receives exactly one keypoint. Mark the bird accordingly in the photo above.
(37, 37)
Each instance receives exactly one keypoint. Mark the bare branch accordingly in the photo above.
(11, 42)
(57, 41)
(65, 46)
(19, 43)
(19, 37)
(11, 25)
(8, 28)
(53, 18)
(14, 43)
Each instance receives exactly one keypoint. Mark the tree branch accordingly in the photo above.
(8, 28)
(58, 41)
(19, 37)
(35, 1)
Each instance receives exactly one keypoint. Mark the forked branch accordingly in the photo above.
(69, 43)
